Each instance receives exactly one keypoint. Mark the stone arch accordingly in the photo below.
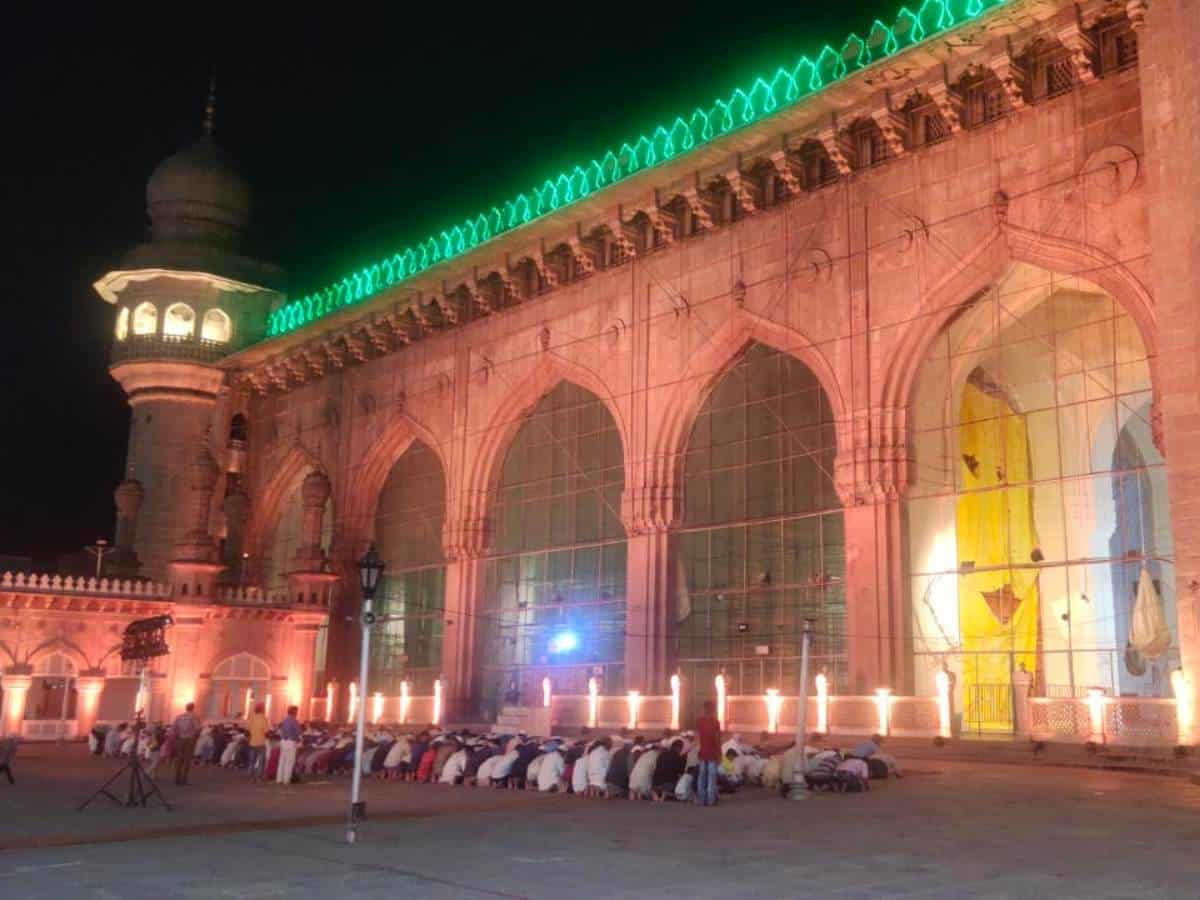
(665, 462)
(373, 468)
(289, 469)
(256, 667)
(487, 459)
(982, 268)
(62, 646)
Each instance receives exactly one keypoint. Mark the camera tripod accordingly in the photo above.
(141, 786)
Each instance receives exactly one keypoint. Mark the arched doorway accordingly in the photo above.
(279, 555)
(762, 546)
(238, 682)
(411, 594)
(1038, 498)
(554, 577)
(50, 708)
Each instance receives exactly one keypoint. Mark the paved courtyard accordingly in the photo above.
(949, 829)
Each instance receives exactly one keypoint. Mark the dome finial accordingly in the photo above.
(210, 107)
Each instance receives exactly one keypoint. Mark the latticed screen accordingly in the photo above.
(762, 546)
(1040, 499)
(557, 561)
(411, 593)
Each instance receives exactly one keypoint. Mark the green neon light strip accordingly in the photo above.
(743, 107)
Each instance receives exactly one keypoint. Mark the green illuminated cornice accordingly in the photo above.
(743, 107)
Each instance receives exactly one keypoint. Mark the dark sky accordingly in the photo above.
(359, 135)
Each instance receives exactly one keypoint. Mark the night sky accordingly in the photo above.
(358, 137)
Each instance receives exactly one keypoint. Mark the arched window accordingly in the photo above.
(408, 535)
(145, 319)
(179, 321)
(53, 694)
(762, 547)
(285, 541)
(122, 323)
(216, 327)
(554, 585)
(1039, 500)
(238, 682)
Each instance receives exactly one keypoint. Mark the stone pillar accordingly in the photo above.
(186, 661)
(90, 686)
(648, 514)
(1168, 35)
(16, 682)
(464, 540)
(871, 481)
(314, 494)
(237, 511)
(128, 498)
(300, 685)
(194, 567)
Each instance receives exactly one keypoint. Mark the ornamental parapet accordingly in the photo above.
(68, 584)
(167, 346)
(893, 95)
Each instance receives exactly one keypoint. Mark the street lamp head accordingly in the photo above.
(370, 567)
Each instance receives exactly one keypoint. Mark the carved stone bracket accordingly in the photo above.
(702, 213)
(584, 256)
(787, 172)
(949, 103)
(1012, 78)
(745, 189)
(464, 537)
(663, 223)
(838, 148)
(893, 126)
(1082, 50)
(1136, 11)
(624, 236)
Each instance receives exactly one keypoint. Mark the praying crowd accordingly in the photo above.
(690, 765)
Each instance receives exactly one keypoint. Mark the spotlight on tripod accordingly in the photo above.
(143, 641)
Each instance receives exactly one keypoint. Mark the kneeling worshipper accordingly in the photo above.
(852, 775)
(112, 740)
(419, 748)
(456, 764)
(396, 756)
(526, 752)
(503, 768)
(822, 770)
(579, 774)
(641, 773)
(552, 769)
(483, 750)
(616, 779)
(597, 766)
(535, 766)
(668, 770)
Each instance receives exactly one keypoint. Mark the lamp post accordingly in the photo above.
(100, 549)
(370, 567)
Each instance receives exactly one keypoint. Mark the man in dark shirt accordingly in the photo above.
(668, 769)
(187, 729)
(708, 730)
(617, 778)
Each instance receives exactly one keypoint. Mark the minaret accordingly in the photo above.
(185, 299)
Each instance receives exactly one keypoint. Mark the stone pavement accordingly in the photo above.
(958, 830)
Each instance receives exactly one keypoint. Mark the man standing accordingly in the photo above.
(187, 729)
(289, 741)
(257, 741)
(708, 730)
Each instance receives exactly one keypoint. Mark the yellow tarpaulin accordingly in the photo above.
(998, 589)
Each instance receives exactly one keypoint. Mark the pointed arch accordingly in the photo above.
(372, 470)
(983, 267)
(488, 456)
(288, 469)
(710, 365)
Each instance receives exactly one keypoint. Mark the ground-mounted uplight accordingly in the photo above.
(1095, 703)
(377, 707)
(329, 701)
(1185, 709)
(353, 711)
(437, 702)
(943, 703)
(719, 683)
(675, 691)
(883, 702)
(635, 702)
(822, 703)
(593, 702)
(405, 701)
(546, 692)
(774, 703)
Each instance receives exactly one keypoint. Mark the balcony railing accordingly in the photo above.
(168, 346)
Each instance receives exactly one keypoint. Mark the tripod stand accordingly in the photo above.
(141, 786)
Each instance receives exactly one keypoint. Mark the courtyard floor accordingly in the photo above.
(949, 829)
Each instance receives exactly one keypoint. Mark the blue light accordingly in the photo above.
(564, 642)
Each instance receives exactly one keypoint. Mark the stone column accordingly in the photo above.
(237, 512)
(870, 484)
(464, 540)
(1168, 35)
(128, 498)
(649, 514)
(185, 664)
(16, 682)
(314, 494)
(194, 568)
(90, 686)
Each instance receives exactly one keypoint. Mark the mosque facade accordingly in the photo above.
(899, 346)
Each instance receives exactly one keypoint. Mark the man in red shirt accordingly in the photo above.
(708, 729)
